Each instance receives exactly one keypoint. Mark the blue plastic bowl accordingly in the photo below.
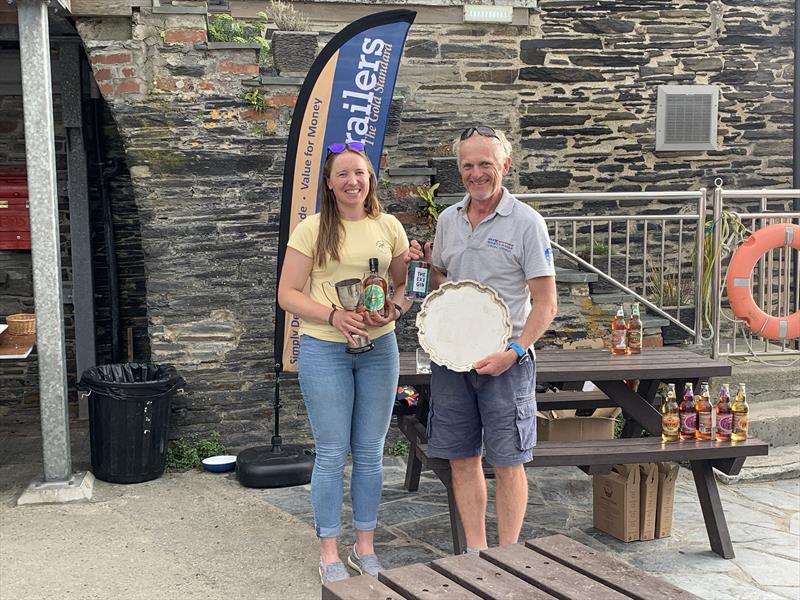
(219, 464)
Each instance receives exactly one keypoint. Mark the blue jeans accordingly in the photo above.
(349, 400)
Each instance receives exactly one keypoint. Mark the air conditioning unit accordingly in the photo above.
(686, 117)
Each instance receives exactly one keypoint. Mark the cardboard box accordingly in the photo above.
(667, 475)
(565, 426)
(616, 502)
(648, 498)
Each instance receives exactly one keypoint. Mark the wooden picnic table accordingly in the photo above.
(568, 369)
(543, 569)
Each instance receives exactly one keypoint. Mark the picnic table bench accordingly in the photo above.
(608, 373)
(544, 568)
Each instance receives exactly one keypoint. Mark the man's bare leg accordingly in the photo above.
(469, 487)
(511, 501)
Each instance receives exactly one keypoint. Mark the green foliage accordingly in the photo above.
(399, 448)
(257, 100)
(224, 28)
(285, 16)
(431, 209)
(618, 425)
(665, 285)
(188, 453)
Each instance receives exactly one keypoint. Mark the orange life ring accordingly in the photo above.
(740, 287)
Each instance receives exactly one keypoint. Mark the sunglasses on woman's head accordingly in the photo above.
(480, 129)
(339, 148)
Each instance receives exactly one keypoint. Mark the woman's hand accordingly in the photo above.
(349, 323)
(380, 318)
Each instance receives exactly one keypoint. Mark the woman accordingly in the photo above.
(348, 397)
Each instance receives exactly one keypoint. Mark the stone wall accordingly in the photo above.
(575, 89)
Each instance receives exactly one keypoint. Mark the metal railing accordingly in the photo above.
(657, 257)
(775, 281)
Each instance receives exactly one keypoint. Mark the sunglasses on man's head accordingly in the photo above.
(481, 130)
(339, 148)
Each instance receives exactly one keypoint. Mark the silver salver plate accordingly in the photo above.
(461, 323)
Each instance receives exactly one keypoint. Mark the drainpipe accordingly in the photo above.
(796, 145)
(37, 99)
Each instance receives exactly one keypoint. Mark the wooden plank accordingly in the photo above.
(549, 575)
(607, 569)
(487, 580)
(362, 587)
(633, 405)
(599, 365)
(562, 400)
(711, 505)
(106, 8)
(420, 582)
(624, 451)
(16, 346)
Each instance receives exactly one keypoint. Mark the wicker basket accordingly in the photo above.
(21, 324)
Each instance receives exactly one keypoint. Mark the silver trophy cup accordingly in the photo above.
(349, 292)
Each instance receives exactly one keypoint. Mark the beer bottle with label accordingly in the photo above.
(688, 413)
(740, 412)
(670, 421)
(635, 331)
(724, 415)
(704, 409)
(619, 332)
(375, 289)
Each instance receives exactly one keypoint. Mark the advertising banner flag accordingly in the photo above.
(346, 97)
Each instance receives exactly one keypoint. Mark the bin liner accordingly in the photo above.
(129, 409)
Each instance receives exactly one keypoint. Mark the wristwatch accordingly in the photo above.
(522, 354)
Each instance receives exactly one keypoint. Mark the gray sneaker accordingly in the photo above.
(332, 572)
(366, 565)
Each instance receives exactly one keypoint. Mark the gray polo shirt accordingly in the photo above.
(508, 248)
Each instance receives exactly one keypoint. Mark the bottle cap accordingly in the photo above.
(373, 264)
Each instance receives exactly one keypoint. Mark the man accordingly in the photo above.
(493, 238)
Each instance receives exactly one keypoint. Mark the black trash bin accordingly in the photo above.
(129, 408)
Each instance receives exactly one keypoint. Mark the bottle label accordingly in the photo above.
(635, 339)
(374, 297)
(618, 339)
(670, 424)
(704, 423)
(419, 283)
(739, 423)
(689, 422)
(725, 424)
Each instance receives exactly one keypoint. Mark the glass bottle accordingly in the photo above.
(375, 289)
(741, 413)
(670, 421)
(724, 415)
(635, 331)
(417, 280)
(619, 333)
(704, 409)
(688, 413)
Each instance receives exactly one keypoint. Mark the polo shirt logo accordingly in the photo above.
(500, 244)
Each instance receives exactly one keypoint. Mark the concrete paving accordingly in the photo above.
(201, 535)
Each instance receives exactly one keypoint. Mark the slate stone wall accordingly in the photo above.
(575, 90)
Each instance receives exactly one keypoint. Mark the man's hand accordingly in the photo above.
(417, 252)
(496, 364)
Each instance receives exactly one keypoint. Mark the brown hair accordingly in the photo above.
(331, 230)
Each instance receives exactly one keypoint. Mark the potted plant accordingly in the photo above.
(294, 47)
(227, 33)
(430, 209)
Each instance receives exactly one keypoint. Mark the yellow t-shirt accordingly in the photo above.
(382, 237)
